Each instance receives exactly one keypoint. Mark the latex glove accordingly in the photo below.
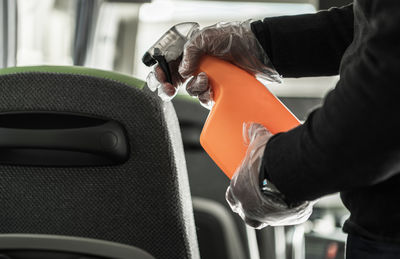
(157, 81)
(261, 208)
(233, 42)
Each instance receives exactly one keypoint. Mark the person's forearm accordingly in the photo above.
(353, 139)
(309, 44)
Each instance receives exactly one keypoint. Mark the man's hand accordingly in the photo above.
(233, 42)
(157, 80)
(256, 207)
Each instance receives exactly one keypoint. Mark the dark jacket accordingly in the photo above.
(352, 143)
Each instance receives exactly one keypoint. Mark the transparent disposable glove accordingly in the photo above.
(260, 207)
(230, 41)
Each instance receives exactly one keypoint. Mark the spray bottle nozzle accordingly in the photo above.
(169, 47)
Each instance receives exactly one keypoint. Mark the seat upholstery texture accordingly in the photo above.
(143, 202)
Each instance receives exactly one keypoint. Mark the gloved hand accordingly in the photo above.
(256, 207)
(233, 42)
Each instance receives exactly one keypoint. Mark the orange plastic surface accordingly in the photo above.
(238, 98)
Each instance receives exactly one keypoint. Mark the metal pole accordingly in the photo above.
(8, 32)
(87, 13)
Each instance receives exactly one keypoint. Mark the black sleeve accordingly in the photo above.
(309, 44)
(353, 140)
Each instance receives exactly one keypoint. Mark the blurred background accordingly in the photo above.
(113, 35)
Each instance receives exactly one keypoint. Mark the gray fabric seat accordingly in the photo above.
(143, 202)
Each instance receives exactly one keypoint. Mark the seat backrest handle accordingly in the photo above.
(52, 139)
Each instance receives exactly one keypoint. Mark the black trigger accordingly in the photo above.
(162, 62)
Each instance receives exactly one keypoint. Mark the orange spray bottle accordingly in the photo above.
(222, 134)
